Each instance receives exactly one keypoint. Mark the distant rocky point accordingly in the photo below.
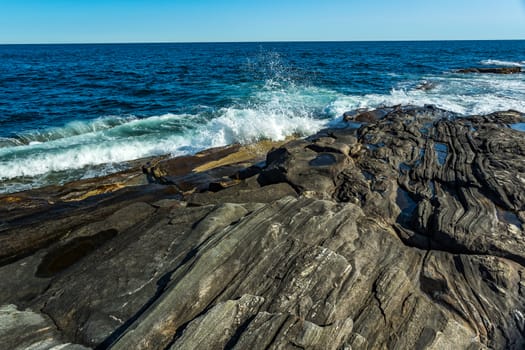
(404, 230)
(497, 70)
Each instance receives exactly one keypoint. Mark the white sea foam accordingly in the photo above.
(458, 103)
(249, 125)
(78, 152)
(503, 63)
(41, 161)
(277, 110)
(476, 95)
(275, 115)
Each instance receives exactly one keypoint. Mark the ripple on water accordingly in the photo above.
(441, 150)
(323, 159)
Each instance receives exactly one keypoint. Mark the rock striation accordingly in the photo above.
(402, 231)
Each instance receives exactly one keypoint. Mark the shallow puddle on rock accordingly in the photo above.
(518, 127)
(441, 152)
(406, 204)
(404, 167)
(508, 217)
(472, 128)
(374, 146)
(353, 125)
(425, 129)
(432, 186)
(368, 175)
(420, 158)
(323, 159)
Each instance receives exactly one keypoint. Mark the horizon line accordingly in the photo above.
(246, 41)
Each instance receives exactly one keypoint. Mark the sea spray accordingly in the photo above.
(84, 117)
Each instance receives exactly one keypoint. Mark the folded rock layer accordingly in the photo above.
(403, 233)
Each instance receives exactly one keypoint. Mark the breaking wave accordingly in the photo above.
(503, 63)
(285, 103)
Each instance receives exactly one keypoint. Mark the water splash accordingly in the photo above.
(271, 95)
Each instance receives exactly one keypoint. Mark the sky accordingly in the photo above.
(98, 21)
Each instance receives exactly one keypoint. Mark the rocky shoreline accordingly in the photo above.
(404, 230)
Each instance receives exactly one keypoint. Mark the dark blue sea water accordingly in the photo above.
(77, 111)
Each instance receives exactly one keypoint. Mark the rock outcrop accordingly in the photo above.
(492, 70)
(402, 231)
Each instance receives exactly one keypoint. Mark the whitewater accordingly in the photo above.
(270, 95)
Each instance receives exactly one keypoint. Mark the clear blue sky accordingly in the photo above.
(55, 21)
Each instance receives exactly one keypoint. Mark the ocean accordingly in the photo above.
(78, 111)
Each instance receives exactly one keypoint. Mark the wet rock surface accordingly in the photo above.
(403, 231)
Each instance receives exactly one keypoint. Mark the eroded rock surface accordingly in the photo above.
(402, 231)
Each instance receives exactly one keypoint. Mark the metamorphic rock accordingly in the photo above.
(403, 230)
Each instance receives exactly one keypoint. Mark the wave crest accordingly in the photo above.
(492, 62)
(279, 108)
